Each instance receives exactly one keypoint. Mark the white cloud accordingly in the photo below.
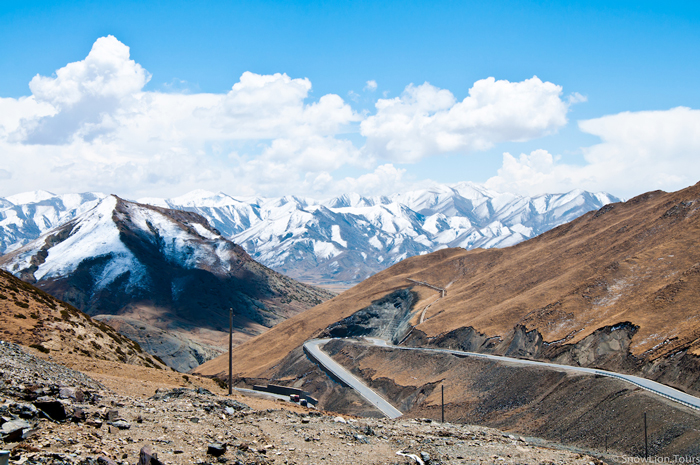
(426, 120)
(638, 152)
(94, 117)
(107, 72)
(86, 94)
(385, 179)
(14, 113)
(576, 98)
(91, 126)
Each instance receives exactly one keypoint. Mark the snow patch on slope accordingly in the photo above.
(335, 235)
(94, 236)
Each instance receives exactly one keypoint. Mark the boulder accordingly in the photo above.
(102, 460)
(51, 408)
(121, 424)
(78, 416)
(71, 393)
(12, 431)
(23, 410)
(95, 423)
(112, 415)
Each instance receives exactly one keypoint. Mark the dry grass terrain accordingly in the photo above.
(634, 262)
(31, 317)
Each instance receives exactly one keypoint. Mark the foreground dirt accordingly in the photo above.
(122, 415)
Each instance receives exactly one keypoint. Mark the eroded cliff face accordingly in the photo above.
(579, 409)
(607, 348)
(387, 318)
(582, 410)
(587, 411)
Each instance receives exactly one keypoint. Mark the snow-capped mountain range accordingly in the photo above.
(343, 239)
(161, 267)
(26, 216)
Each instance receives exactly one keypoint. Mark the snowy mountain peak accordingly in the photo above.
(24, 217)
(170, 267)
(30, 197)
(351, 200)
(204, 198)
(103, 232)
(349, 237)
(472, 191)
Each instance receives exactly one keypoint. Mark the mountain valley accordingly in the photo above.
(612, 289)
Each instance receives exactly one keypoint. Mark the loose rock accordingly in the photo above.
(216, 449)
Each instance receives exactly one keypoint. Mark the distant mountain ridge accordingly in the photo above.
(343, 239)
(26, 216)
(351, 237)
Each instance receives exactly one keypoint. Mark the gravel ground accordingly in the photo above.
(23, 368)
(186, 425)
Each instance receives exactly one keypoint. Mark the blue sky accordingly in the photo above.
(621, 66)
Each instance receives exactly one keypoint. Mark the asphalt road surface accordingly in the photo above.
(313, 349)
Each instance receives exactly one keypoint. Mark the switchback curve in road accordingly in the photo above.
(647, 384)
(312, 348)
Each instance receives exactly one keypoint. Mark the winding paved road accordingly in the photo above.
(649, 385)
(313, 348)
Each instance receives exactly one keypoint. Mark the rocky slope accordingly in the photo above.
(164, 268)
(616, 288)
(31, 317)
(338, 241)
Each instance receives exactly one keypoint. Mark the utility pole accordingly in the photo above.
(443, 403)
(606, 443)
(646, 443)
(230, 351)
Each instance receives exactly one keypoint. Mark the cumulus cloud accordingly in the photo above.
(639, 151)
(14, 113)
(107, 72)
(86, 94)
(426, 120)
(94, 117)
(92, 126)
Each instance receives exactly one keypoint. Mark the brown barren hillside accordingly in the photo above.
(635, 262)
(33, 318)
